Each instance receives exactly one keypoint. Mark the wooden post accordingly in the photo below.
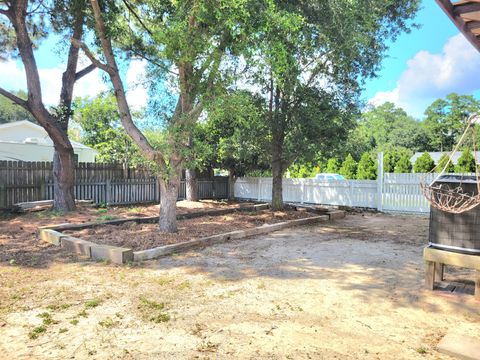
(429, 274)
(477, 285)
(380, 181)
(108, 189)
(3, 197)
(439, 268)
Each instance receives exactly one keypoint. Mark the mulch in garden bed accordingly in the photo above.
(147, 236)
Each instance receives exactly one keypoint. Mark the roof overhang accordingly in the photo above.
(465, 14)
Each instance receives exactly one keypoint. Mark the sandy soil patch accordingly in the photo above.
(146, 236)
(352, 289)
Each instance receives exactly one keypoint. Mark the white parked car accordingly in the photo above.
(327, 176)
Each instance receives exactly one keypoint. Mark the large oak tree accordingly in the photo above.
(26, 22)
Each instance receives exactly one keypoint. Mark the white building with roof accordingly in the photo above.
(26, 141)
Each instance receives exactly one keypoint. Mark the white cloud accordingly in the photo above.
(430, 76)
(12, 77)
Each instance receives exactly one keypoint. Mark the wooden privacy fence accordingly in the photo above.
(390, 193)
(102, 183)
(141, 191)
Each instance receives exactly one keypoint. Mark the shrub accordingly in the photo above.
(442, 162)
(332, 166)
(349, 167)
(424, 164)
(389, 161)
(403, 165)
(367, 168)
(466, 162)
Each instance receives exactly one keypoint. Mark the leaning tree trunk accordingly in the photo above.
(191, 185)
(168, 204)
(63, 180)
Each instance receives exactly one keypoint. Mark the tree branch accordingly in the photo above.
(15, 99)
(85, 71)
(93, 59)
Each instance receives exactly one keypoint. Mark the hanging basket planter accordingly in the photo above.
(455, 193)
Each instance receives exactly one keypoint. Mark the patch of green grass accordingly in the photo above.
(184, 285)
(104, 218)
(107, 323)
(74, 322)
(421, 350)
(92, 303)
(135, 209)
(47, 318)
(165, 280)
(62, 330)
(49, 214)
(102, 211)
(36, 331)
(153, 311)
(83, 313)
(55, 307)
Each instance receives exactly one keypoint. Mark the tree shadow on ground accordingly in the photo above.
(371, 262)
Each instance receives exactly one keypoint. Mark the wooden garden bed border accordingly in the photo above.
(121, 255)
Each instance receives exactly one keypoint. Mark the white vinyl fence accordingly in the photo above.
(392, 193)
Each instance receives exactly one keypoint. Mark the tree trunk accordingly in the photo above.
(191, 185)
(277, 186)
(231, 183)
(63, 180)
(168, 204)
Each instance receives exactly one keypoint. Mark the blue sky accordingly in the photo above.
(421, 66)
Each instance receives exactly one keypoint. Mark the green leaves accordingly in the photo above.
(424, 164)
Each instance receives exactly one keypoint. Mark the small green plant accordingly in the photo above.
(184, 285)
(422, 350)
(83, 313)
(152, 310)
(135, 209)
(164, 280)
(62, 330)
(74, 322)
(102, 211)
(36, 331)
(105, 218)
(92, 303)
(47, 318)
(55, 307)
(107, 323)
(262, 286)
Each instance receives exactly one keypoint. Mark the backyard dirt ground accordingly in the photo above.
(351, 289)
(19, 245)
(146, 236)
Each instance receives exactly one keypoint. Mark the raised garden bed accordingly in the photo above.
(143, 236)
(138, 239)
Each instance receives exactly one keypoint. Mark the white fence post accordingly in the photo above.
(380, 181)
(259, 189)
(302, 191)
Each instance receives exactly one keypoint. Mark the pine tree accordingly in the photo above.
(424, 164)
(442, 162)
(403, 164)
(389, 161)
(367, 168)
(332, 166)
(349, 167)
(466, 162)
